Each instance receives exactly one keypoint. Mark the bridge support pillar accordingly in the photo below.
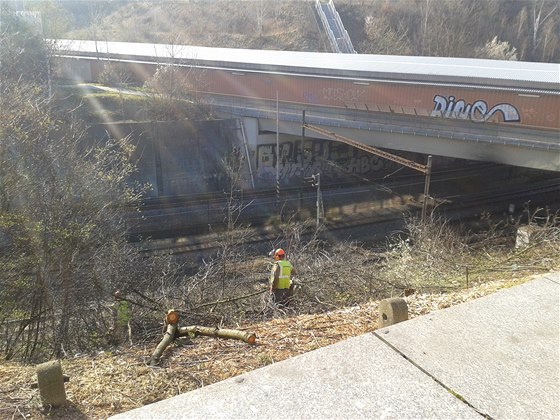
(251, 129)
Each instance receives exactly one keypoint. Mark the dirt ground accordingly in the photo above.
(108, 383)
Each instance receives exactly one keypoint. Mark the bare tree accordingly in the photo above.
(382, 38)
(446, 28)
(261, 9)
(235, 235)
(96, 17)
(174, 89)
(425, 15)
(24, 55)
(61, 210)
(536, 25)
(56, 21)
(63, 204)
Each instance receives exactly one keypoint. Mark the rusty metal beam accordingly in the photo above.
(378, 152)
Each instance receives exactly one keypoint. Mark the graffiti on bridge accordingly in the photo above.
(343, 95)
(331, 159)
(477, 111)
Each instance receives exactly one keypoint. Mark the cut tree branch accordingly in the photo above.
(173, 331)
(167, 339)
(233, 299)
(247, 337)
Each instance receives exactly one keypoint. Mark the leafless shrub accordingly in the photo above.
(500, 232)
(429, 255)
(63, 200)
(497, 50)
(173, 92)
(382, 38)
(544, 223)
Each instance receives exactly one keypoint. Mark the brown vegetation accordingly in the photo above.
(526, 30)
(260, 24)
(111, 382)
(337, 298)
(455, 28)
(63, 252)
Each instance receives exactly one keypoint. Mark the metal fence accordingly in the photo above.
(337, 34)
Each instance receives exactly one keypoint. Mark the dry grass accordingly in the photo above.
(108, 383)
(112, 382)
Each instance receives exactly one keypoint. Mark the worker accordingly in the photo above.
(121, 318)
(280, 280)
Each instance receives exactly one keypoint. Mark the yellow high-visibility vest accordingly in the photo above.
(285, 272)
(123, 313)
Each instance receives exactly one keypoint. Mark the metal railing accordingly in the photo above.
(361, 120)
(338, 36)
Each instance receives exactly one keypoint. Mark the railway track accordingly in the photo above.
(374, 224)
(396, 181)
(167, 216)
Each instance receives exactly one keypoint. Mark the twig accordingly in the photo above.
(326, 303)
(233, 299)
(519, 252)
(17, 410)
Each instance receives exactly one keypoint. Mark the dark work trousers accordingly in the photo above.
(281, 296)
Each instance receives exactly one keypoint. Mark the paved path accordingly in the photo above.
(497, 356)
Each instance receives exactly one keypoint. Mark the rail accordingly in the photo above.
(338, 36)
(457, 208)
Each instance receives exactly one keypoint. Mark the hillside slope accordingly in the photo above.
(112, 382)
(286, 25)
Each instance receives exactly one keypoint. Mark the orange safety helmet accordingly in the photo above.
(279, 254)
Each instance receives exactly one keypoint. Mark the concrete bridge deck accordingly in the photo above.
(488, 110)
(494, 357)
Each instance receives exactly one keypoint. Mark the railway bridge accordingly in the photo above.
(486, 110)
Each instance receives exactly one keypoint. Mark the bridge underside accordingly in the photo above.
(489, 152)
(436, 136)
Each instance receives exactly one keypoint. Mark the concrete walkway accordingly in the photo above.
(497, 356)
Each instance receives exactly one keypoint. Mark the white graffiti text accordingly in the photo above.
(477, 111)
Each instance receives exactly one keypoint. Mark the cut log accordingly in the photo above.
(173, 331)
(247, 337)
(168, 338)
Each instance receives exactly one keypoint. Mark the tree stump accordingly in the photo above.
(51, 384)
(392, 311)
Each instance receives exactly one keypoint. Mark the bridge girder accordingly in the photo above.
(503, 153)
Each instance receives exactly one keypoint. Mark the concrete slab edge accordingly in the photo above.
(425, 372)
(553, 277)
